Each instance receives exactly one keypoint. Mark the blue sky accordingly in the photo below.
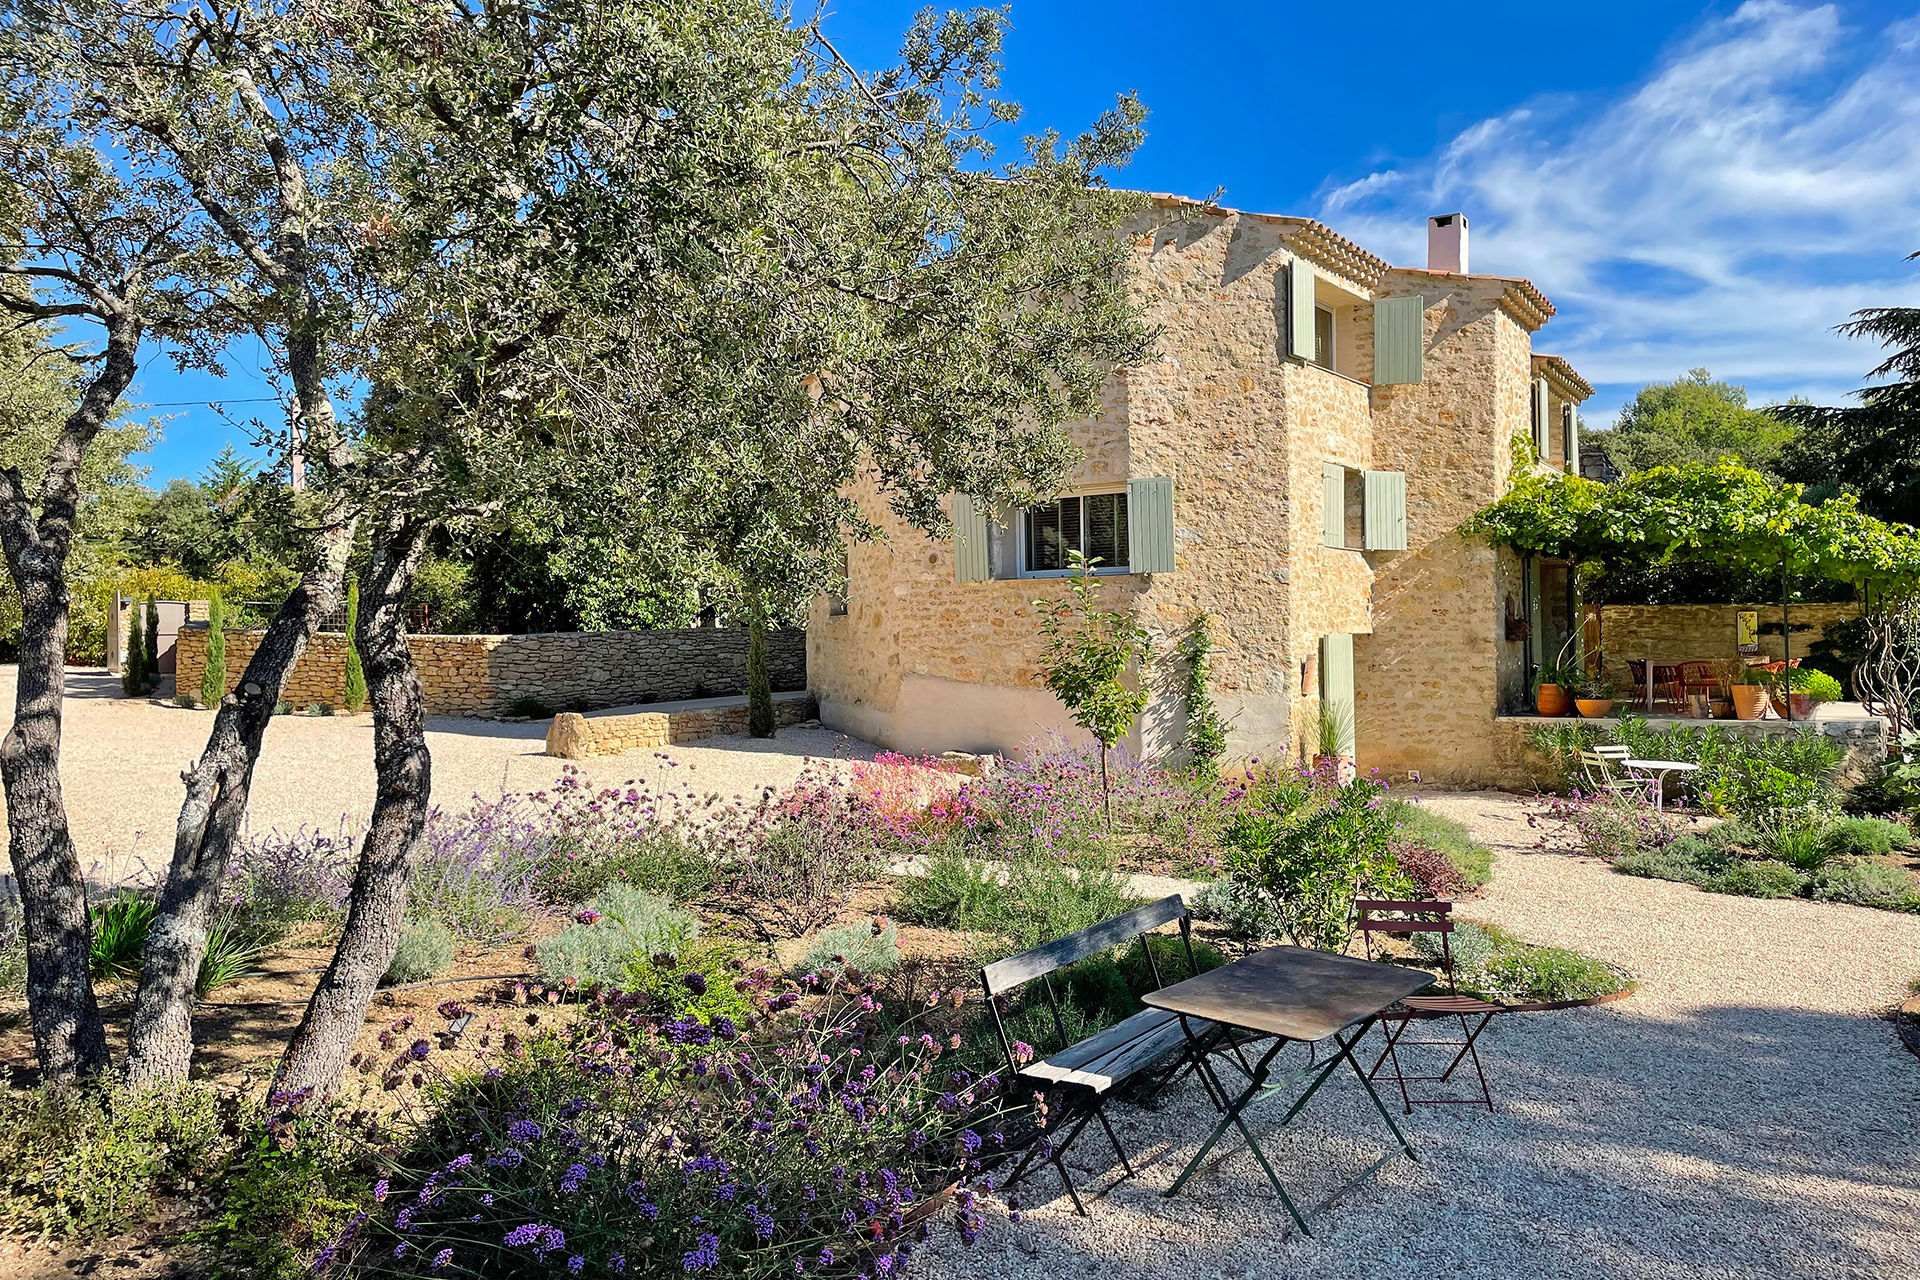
(1692, 185)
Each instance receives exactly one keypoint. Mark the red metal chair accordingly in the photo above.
(1403, 919)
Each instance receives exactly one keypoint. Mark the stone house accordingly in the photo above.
(1295, 462)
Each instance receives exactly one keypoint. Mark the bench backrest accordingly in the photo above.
(1041, 962)
(1023, 967)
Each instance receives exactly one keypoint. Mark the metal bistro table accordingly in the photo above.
(1657, 771)
(1291, 994)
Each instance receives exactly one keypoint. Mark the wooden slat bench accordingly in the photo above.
(1085, 1073)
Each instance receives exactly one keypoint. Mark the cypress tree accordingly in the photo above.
(213, 676)
(759, 683)
(150, 664)
(133, 681)
(356, 674)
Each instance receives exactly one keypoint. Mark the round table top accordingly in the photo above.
(1668, 765)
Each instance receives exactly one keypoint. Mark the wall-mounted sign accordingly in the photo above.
(1746, 630)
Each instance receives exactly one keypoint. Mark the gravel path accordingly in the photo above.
(122, 759)
(1747, 1114)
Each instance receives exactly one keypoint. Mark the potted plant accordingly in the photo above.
(1332, 731)
(1593, 695)
(1748, 688)
(1553, 688)
(1802, 689)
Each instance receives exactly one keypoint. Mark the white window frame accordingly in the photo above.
(1100, 570)
(1333, 338)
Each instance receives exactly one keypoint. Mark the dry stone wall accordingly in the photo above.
(573, 736)
(489, 675)
(1705, 632)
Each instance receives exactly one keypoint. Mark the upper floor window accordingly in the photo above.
(1094, 524)
(1323, 337)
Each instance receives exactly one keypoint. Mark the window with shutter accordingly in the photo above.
(1540, 416)
(1399, 340)
(1150, 524)
(1333, 504)
(1569, 447)
(1300, 324)
(1386, 511)
(969, 539)
(1093, 524)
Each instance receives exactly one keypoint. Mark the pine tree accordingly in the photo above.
(213, 676)
(759, 682)
(133, 680)
(150, 662)
(356, 698)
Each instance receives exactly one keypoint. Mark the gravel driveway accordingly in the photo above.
(122, 759)
(1746, 1114)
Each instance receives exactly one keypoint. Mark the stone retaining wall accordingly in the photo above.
(487, 675)
(574, 736)
(1521, 767)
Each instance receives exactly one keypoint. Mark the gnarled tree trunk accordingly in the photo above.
(68, 1037)
(404, 779)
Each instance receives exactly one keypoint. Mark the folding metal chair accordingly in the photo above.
(1404, 918)
(1604, 769)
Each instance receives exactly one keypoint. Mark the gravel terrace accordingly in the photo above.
(122, 759)
(1748, 1113)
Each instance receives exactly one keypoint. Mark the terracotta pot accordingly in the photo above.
(1551, 700)
(1721, 708)
(1593, 708)
(1749, 700)
(1802, 706)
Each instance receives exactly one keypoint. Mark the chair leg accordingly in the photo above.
(1393, 1055)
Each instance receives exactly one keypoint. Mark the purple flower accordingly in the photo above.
(704, 1256)
(380, 1190)
(442, 1260)
(524, 1234)
(420, 1050)
(576, 1264)
(571, 1181)
(525, 1131)
(587, 915)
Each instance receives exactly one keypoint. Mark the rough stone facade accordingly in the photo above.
(488, 675)
(573, 736)
(1705, 632)
(922, 661)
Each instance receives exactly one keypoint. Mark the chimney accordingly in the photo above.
(1447, 243)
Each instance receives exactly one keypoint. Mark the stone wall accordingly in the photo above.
(488, 675)
(573, 736)
(1704, 632)
(1519, 767)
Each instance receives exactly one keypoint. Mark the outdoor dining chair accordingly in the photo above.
(1604, 771)
(1404, 918)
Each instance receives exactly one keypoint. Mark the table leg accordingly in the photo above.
(1346, 1052)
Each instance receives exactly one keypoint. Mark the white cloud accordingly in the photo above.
(1762, 183)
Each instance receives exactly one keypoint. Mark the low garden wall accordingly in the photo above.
(488, 675)
(573, 736)
(1864, 736)
(1705, 632)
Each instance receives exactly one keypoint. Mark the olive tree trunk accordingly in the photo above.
(220, 782)
(68, 1037)
(403, 770)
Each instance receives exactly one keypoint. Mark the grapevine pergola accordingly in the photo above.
(1719, 514)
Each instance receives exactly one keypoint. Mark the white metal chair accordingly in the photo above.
(1604, 770)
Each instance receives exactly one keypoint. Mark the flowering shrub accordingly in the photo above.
(291, 877)
(800, 857)
(1601, 825)
(802, 1143)
(915, 801)
(1431, 872)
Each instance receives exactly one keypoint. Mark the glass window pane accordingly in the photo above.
(1107, 529)
(1323, 337)
(1052, 531)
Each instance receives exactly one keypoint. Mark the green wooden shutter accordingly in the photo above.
(1300, 309)
(1540, 405)
(1386, 511)
(1333, 504)
(1150, 525)
(969, 539)
(1570, 418)
(1399, 339)
(1336, 682)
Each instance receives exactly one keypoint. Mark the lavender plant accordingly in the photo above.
(803, 1142)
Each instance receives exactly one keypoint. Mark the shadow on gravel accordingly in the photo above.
(1743, 1141)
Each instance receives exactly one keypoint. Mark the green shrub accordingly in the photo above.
(425, 951)
(356, 688)
(1473, 948)
(1867, 884)
(1734, 834)
(1245, 910)
(86, 1164)
(703, 981)
(1759, 878)
(620, 925)
(1315, 858)
(872, 948)
(661, 860)
(120, 933)
(1414, 822)
(235, 948)
(1044, 900)
(1800, 841)
(1860, 837)
(1530, 973)
(1689, 860)
(213, 675)
(133, 679)
(952, 891)
(13, 948)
